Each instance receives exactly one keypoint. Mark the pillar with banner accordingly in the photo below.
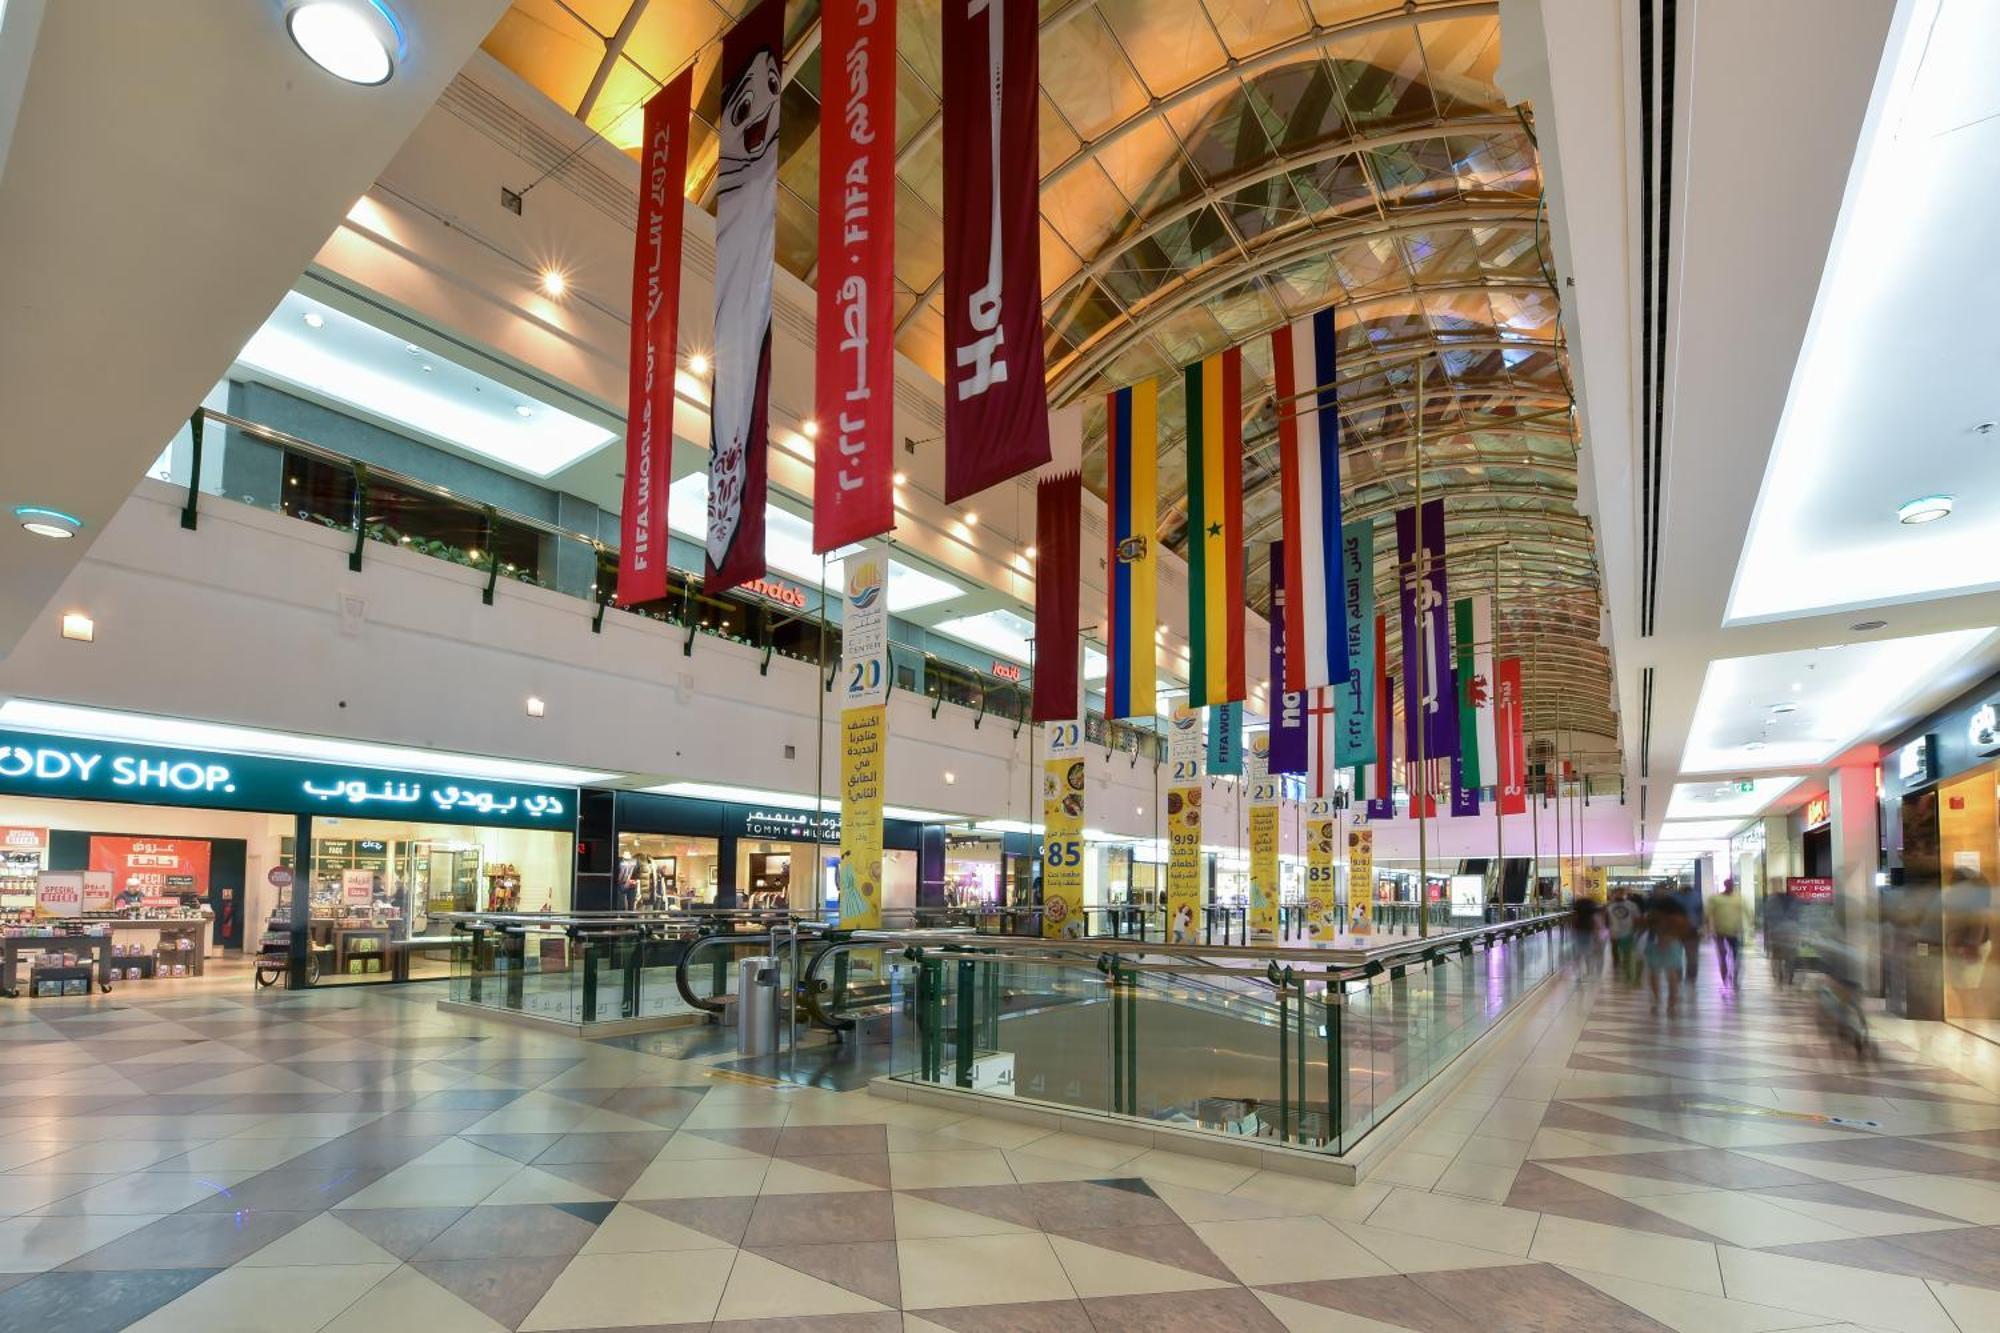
(1062, 833)
(1184, 786)
(1264, 809)
(1361, 879)
(1323, 916)
(864, 733)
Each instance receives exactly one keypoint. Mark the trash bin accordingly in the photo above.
(756, 1006)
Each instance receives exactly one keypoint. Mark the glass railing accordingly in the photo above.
(1297, 1047)
(375, 507)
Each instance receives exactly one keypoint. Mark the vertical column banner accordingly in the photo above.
(1215, 528)
(1309, 480)
(1508, 737)
(1355, 700)
(1184, 879)
(1322, 773)
(1290, 750)
(996, 398)
(855, 386)
(1428, 699)
(746, 220)
(1264, 810)
(864, 733)
(656, 312)
(1062, 832)
(1132, 488)
(1059, 572)
(1484, 731)
(1323, 914)
(1470, 775)
(1361, 879)
(1382, 787)
(1225, 741)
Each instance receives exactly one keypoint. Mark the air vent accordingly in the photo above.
(1656, 190)
(1646, 723)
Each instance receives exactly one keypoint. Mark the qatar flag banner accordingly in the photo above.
(656, 310)
(996, 400)
(746, 223)
(855, 385)
(1059, 572)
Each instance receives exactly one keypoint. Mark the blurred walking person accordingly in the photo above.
(1725, 923)
(1621, 921)
(1664, 947)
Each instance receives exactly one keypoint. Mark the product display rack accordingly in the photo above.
(91, 941)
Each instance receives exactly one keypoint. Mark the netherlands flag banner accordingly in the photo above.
(1215, 528)
(1131, 452)
(1302, 363)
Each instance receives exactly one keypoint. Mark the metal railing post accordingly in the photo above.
(962, 1058)
(587, 957)
(360, 517)
(492, 558)
(188, 510)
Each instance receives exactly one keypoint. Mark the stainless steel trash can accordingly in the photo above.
(756, 1006)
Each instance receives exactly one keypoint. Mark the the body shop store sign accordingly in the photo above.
(61, 766)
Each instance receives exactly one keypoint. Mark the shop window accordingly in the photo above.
(434, 525)
(662, 872)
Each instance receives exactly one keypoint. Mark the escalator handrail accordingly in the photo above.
(701, 942)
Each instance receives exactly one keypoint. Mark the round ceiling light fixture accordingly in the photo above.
(1924, 509)
(52, 523)
(354, 40)
(1863, 626)
(1784, 708)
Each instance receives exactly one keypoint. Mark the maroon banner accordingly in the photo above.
(1058, 584)
(1507, 737)
(854, 464)
(995, 402)
(746, 222)
(656, 310)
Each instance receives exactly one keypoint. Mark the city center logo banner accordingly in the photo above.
(995, 396)
(855, 386)
(1264, 812)
(746, 221)
(864, 627)
(654, 350)
(1063, 782)
(1323, 914)
(864, 733)
(1184, 877)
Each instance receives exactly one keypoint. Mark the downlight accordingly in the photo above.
(52, 523)
(354, 40)
(1925, 509)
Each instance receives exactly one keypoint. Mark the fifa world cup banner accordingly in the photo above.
(864, 734)
(1062, 833)
(1361, 879)
(1184, 877)
(1323, 915)
(1264, 887)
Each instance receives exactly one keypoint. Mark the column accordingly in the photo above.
(1854, 863)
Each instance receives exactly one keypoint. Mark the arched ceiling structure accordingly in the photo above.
(1212, 169)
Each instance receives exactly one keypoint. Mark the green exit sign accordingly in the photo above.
(1746, 787)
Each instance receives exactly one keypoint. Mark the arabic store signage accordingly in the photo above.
(61, 766)
(1819, 810)
(790, 825)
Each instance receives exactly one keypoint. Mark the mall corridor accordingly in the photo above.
(356, 1160)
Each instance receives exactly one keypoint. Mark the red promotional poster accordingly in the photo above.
(143, 868)
(1058, 575)
(746, 223)
(1809, 890)
(1508, 739)
(855, 386)
(656, 308)
(995, 399)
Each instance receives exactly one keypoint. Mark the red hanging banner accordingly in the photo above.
(656, 309)
(1513, 776)
(746, 222)
(855, 388)
(996, 400)
(1058, 583)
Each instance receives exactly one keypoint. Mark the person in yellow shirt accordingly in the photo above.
(1726, 919)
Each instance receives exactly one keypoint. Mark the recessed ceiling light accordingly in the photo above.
(412, 349)
(809, 428)
(52, 523)
(1031, 553)
(1924, 509)
(1863, 626)
(314, 319)
(553, 282)
(523, 411)
(950, 778)
(427, 367)
(1784, 708)
(971, 518)
(698, 364)
(902, 478)
(536, 707)
(355, 40)
(78, 626)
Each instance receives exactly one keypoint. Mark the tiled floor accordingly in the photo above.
(355, 1160)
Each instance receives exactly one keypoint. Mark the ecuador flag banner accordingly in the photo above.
(1215, 528)
(1132, 453)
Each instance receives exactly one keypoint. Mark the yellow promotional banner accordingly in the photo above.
(1264, 889)
(1323, 916)
(1595, 879)
(1184, 888)
(1566, 875)
(1062, 834)
(1361, 879)
(863, 740)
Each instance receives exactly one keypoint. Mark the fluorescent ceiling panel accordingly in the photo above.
(1726, 800)
(790, 800)
(1002, 633)
(1800, 709)
(144, 729)
(788, 548)
(340, 359)
(1894, 378)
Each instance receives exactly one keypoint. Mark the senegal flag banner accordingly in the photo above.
(1215, 528)
(1132, 442)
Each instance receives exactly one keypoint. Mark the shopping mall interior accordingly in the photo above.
(840, 666)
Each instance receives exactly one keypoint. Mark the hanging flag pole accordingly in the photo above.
(1418, 779)
(1499, 818)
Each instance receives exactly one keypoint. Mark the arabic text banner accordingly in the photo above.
(1062, 833)
(1322, 879)
(864, 739)
(1264, 810)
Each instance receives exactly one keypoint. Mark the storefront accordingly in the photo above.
(1940, 785)
(679, 852)
(152, 862)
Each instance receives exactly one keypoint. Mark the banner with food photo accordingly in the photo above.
(1184, 877)
(1063, 779)
(1361, 880)
(1323, 915)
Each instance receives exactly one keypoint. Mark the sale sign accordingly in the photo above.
(14, 838)
(152, 867)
